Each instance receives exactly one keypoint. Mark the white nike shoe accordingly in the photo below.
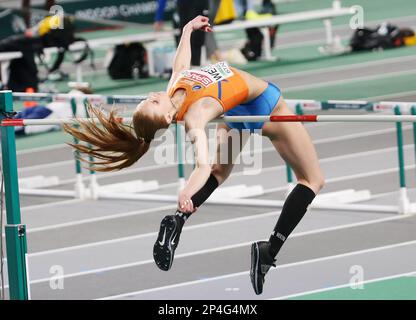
(167, 241)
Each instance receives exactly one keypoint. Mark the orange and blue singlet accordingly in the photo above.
(225, 84)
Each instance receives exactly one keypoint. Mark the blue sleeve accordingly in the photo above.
(161, 5)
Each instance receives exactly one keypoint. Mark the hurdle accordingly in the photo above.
(299, 106)
(404, 203)
(231, 119)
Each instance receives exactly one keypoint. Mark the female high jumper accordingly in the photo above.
(196, 97)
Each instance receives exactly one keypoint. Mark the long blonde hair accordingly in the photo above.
(115, 144)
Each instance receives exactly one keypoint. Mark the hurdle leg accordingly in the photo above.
(413, 112)
(180, 150)
(328, 32)
(333, 44)
(267, 46)
(16, 245)
(93, 187)
(79, 72)
(4, 66)
(404, 203)
(79, 184)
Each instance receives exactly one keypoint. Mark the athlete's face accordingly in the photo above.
(157, 104)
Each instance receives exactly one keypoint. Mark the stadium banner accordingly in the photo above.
(139, 11)
(136, 11)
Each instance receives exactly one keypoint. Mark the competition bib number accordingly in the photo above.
(209, 74)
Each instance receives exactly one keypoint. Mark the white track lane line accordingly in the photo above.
(50, 204)
(207, 225)
(330, 159)
(270, 190)
(343, 67)
(268, 149)
(351, 136)
(216, 223)
(305, 262)
(338, 27)
(221, 248)
(47, 165)
(152, 167)
(349, 80)
(53, 165)
(40, 149)
(389, 96)
(400, 275)
(316, 42)
(334, 179)
(109, 217)
(353, 176)
(145, 211)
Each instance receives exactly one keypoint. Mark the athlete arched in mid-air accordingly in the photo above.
(196, 97)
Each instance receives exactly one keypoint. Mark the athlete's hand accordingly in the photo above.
(200, 23)
(185, 203)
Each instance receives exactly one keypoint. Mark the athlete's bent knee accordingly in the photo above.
(316, 183)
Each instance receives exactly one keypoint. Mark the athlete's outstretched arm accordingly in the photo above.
(182, 60)
(200, 174)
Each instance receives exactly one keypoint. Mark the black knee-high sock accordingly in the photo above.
(200, 197)
(293, 211)
(203, 194)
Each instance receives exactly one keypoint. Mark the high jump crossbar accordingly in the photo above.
(305, 104)
(288, 118)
